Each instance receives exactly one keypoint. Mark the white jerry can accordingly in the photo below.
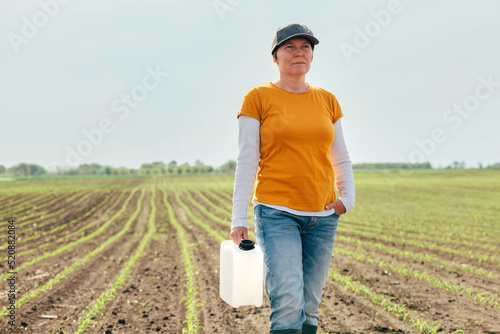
(241, 273)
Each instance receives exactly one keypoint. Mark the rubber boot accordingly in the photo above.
(309, 329)
(286, 331)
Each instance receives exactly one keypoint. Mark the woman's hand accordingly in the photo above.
(238, 233)
(338, 206)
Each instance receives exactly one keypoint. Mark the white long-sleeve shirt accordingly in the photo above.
(248, 162)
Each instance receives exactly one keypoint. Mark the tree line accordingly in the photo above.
(173, 168)
(146, 169)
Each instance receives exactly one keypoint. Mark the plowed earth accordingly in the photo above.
(152, 299)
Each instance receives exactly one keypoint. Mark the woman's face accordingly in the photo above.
(294, 57)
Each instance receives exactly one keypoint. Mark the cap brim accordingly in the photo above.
(313, 39)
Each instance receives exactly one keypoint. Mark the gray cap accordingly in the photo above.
(292, 30)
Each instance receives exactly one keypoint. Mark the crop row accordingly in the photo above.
(61, 239)
(478, 256)
(27, 218)
(432, 258)
(98, 305)
(80, 218)
(104, 216)
(215, 206)
(425, 326)
(68, 246)
(26, 202)
(222, 201)
(425, 208)
(82, 261)
(25, 198)
(37, 235)
(35, 218)
(191, 301)
(225, 220)
(437, 238)
(63, 208)
(482, 297)
(445, 233)
(197, 220)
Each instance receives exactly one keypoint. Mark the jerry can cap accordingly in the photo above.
(247, 245)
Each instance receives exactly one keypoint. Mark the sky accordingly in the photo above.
(123, 83)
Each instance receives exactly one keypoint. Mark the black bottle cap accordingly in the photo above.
(247, 245)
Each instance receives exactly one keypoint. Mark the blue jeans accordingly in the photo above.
(297, 253)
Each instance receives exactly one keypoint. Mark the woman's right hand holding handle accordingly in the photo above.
(238, 233)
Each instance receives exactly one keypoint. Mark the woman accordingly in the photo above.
(286, 140)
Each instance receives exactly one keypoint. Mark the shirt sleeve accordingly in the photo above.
(337, 111)
(246, 168)
(251, 105)
(344, 178)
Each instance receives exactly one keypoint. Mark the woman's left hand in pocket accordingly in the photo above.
(338, 206)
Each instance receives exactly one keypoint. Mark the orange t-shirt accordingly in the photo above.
(296, 135)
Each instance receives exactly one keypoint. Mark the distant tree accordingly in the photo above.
(146, 166)
(123, 171)
(19, 169)
(158, 167)
(24, 169)
(185, 168)
(154, 168)
(2, 169)
(494, 166)
(73, 171)
(206, 169)
(91, 169)
(172, 163)
(198, 163)
(146, 169)
(228, 167)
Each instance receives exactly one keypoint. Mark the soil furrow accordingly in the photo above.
(69, 298)
(53, 239)
(434, 303)
(151, 299)
(41, 272)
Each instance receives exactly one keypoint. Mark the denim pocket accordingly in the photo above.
(268, 212)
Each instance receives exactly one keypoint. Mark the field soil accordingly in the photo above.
(152, 298)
